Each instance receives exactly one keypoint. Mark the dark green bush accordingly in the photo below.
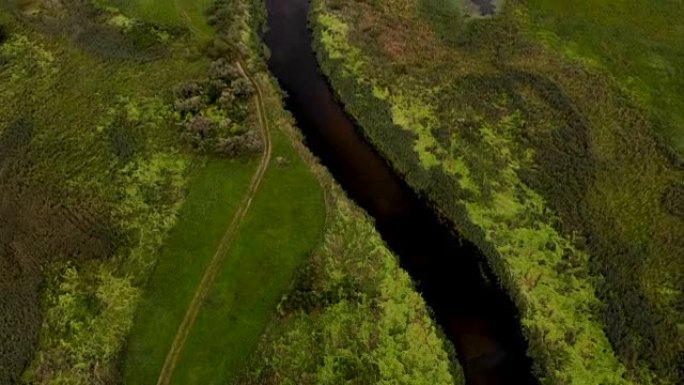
(3, 34)
(122, 142)
(674, 199)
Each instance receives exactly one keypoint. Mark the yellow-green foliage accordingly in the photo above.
(75, 341)
(408, 110)
(513, 220)
(162, 174)
(452, 90)
(353, 314)
(28, 65)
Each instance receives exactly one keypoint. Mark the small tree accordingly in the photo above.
(242, 88)
(191, 105)
(201, 127)
(227, 100)
(221, 69)
(215, 88)
(189, 89)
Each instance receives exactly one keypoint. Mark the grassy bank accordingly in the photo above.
(547, 162)
(281, 229)
(209, 207)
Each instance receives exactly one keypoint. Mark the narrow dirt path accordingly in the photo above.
(214, 266)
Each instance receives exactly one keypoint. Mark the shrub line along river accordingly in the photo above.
(476, 315)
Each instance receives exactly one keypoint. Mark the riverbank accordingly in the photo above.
(490, 347)
(111, 212)
(489, 124)
(338, 320)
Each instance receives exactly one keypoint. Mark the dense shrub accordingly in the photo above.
(674, 199)
(215, 112)
(3, 34)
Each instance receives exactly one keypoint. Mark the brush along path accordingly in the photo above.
(226, 241)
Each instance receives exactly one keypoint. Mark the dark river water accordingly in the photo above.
(476, 315)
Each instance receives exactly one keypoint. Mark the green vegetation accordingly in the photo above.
(633, 41)
(93, 175)
(352, 315)
(549, 161)
(92, 178)
(281, 229)
(211, 202)
(124, 140)
(215, 112)
(188, 13)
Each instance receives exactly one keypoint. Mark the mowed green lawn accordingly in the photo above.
(215, 193)
(189, 13)
(284, 225)
(640, 42)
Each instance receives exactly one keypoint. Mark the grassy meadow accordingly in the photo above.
(549, 138)
(638, 44)
(188, 13)
(213, 197)
(281, 229)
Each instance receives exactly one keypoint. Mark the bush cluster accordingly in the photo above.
(3, 34)
(214, 112)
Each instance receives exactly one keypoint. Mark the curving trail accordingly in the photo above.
(215, 264)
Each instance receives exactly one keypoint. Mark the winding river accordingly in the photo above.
(451, 274)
